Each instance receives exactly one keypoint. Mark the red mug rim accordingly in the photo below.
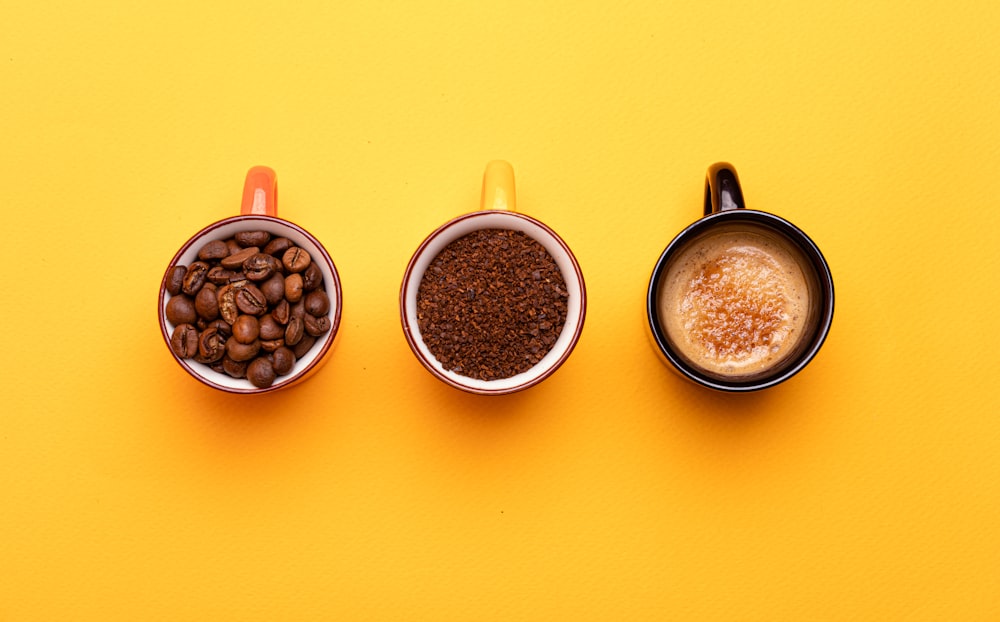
(243, 386)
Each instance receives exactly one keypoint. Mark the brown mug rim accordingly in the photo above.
(789, 232)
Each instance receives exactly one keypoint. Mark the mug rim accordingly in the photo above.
(788, 231)
(336, 307)
(517, 382)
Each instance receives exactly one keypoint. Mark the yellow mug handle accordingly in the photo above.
(498, 187)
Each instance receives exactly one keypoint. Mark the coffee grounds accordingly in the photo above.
(491, 304)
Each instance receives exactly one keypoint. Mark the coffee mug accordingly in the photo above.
(497, 214)
(740, 300)
(258, 213)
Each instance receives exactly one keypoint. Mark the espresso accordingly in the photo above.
(735, 302)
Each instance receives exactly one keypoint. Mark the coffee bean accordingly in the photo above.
(227, 303)
(241, 351)
(175, 279)
(194, 278)
(246, 329)
(216, 249)
(251, 300)
(293, 287)
(278, 246)
(260, 373)
(180, 310)
(223, 327)
(270, 328)
(260, 267)
(206, 303)
(301, 348)
(294, 331)
(312, 277)
(296, 259)
(316, 326)
(211, 345)
(274, 289)
(271, 345)
(317, 303)
(184, 341)
(252, 238)
(236, 369)
(221, 276)
(283, 360)
(282, 312)
(235, 261)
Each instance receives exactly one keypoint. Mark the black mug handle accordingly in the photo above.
(722, 189)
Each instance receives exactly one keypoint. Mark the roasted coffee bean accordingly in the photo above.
(227, 303)
(312, 277)
(246, 329)
(271, 345)
(274, 289)
(260, 373)
(301, 348)
(252, 238)
(223, 326)
(184, 341)
(294, 331)
(236, 369)
(235, 261)
(233, 246)
(211, 345)
(221, 276)
(317, 303)
(216, 249)
(175, 279)
(180, 310)
(298, 310)
(206, 303)
(278, 246)
(260, 267)
(316, 326)
(282, 360)
(251, 300)
(241, 351)
(282, 312)
(270, 328)
(293, 287)
(194, 278)
(296, 259)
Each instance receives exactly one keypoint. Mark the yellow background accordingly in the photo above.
(867, 487)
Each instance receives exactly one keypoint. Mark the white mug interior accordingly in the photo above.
(277, 227)
(557, 249)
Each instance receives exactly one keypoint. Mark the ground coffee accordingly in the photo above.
(491, 304)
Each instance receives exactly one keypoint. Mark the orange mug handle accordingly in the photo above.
(498, 187)
(260, 192)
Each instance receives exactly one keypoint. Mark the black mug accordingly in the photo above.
(740, 300)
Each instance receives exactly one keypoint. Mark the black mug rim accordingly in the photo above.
(787, 230)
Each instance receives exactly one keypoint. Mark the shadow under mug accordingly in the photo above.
(258, 212)
(725, 211)
(498, 203)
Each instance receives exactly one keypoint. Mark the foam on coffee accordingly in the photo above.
(735, 302)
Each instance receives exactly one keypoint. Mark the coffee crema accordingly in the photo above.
(735, 302)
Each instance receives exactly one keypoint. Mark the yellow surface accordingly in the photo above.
(868, 487)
